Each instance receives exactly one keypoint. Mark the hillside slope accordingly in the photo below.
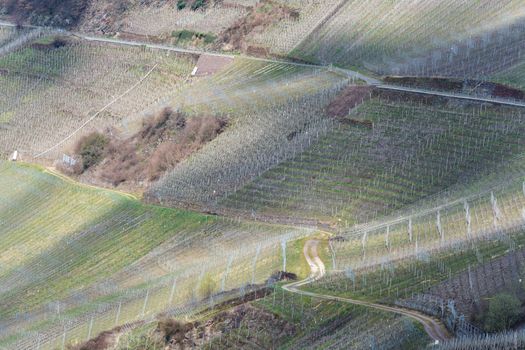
(71, 253)
(387, 153)
(69, 82)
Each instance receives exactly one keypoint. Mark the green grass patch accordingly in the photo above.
(185, 35)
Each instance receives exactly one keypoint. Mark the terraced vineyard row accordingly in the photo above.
(249, 85)
(257, 140)
(336, 325)
(103, 254)
(471, 218)
(444, 262)
(414, 39)
(356, 174)
(513, 76)
(53, 91)
(285, 35)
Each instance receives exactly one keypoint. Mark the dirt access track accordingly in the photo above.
(434, 328)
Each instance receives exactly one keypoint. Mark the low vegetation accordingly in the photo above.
(193, 4)
(189, 35)
(164, 140)
(46, 12)
(91, 149)
(503, 312)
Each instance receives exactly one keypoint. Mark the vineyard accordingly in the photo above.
(108, 253)
(413, 39)
(306, 174)
(67, 86)
(355, 174)
(292, 118)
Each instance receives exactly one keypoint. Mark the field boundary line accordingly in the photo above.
(67, 179)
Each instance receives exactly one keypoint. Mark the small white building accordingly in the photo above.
(14, 156)
(68, 160)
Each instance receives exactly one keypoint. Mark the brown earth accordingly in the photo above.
(263, 15)
(174, 334)
(209, 64)
(348, 99)
(468, 86)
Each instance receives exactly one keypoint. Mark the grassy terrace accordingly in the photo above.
(354, 174)
(88, 253)
(513, 76)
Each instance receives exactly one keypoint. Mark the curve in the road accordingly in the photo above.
(434, 328)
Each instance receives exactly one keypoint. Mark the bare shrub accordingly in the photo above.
(123, 163)
(164, 158)
(154, 126)
(196, 132)
(173, 331)
(164, 140)
(91, 149)
(263, 15)
(70, 170)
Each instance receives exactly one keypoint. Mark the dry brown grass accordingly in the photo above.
(103, 341)
(264, 14)
(196, 133)
(164, 140)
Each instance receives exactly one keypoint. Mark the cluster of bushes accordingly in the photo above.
(503, 312)
(163, 141)
(194, 5)
(500, 312)
(61, 13)
(190, 136)
(91, 149)
(187, 35)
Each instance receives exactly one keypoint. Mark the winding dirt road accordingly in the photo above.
(434, 328)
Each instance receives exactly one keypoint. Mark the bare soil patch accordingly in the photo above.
(209, 64)
(467, 86)
(348, 99)
(263, 15)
